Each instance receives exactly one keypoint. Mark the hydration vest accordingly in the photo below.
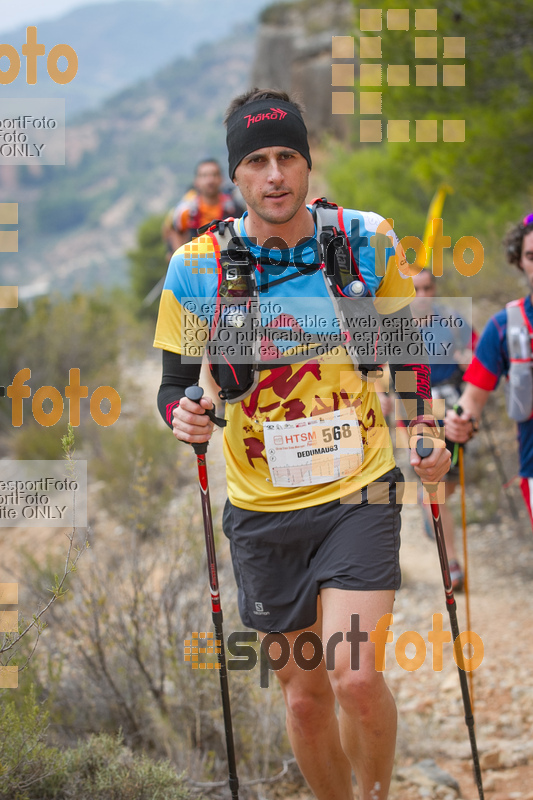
(519, 384)
(237, 306)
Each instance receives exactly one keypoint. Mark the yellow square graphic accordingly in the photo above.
(9, 677)
(342, 74)
(425, 47)
(398, 74)
(407, 493)
(454, 46)
(9, 213)
(398, 130)
(402, 437)
(9, 241)
(426, 75)
(9, 592)
(9, 621)
(352, 498)
(377, 437)
(351, 382)
(453, 130)
(370, 19)
(405, 381)
(378, 493)
(439, 407)
(322, 464)
(9, 296)
(398, 19)
(342, 103)
(370, 74)
(426, 19)
(370, 130)
(441, 493)
(370, 103)
(370, 47)
(405, 409)
(453, 75)
(342, 47)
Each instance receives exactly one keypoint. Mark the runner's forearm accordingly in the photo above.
(177, 376)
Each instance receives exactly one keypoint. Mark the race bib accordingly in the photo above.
(321, 449)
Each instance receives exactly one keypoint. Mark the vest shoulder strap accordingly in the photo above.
(519, 331)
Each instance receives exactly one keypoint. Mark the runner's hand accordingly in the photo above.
(189, 423)
(459, 428)
(435, 466)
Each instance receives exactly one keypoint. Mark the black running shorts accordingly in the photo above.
(281, 560)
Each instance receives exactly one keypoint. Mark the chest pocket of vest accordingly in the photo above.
(519, 386)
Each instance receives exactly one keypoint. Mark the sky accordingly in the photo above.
(14, 13)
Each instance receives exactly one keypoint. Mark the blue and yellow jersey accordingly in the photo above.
(313, 387)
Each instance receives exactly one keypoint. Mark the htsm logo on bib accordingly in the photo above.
(260, 610)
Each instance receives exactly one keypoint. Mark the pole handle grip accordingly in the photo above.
(195, 393)
(423, 450)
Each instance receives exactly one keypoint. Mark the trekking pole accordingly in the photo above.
(423, 451)
(195, 393)
(465, 559)
(499, 466)
(461, 454)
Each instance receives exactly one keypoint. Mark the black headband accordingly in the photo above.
(265, 123)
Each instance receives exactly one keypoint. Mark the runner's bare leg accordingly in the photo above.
(367, 711)
(312, 725)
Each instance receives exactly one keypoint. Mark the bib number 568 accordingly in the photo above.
(336, 432)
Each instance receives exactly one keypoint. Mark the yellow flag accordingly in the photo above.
(434, 212)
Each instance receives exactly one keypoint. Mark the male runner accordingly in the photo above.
(201, 204)
(311, 545)
(492, 359)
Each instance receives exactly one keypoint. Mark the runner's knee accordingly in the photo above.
(357, 690)
(307, 706)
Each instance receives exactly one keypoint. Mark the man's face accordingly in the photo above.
(208, 180)
(274, 182)
(526, 259)
(425, 290)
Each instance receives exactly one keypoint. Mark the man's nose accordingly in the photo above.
(274, 171)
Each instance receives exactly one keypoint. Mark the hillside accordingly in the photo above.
(120, 43)
(131, 158)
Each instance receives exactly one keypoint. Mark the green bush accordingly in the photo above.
(28, 767)
(101, 768)
(104, 769)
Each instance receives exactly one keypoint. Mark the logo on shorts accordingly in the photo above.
(260, 610)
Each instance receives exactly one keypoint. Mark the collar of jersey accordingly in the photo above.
(287, 258)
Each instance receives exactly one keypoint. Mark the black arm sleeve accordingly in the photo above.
(411, 381)
(176, 378)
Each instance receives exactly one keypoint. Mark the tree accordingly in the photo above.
(148, 261)
(491, 172)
